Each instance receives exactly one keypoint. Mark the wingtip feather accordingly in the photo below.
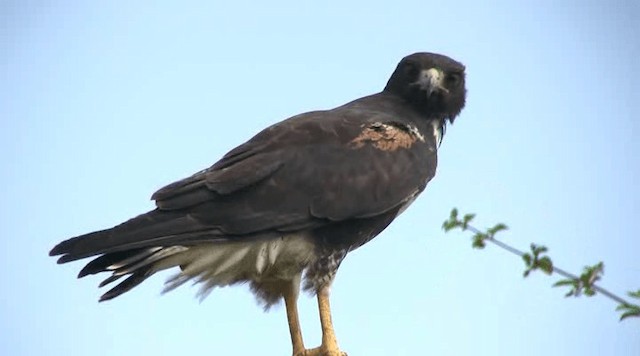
(67, 258)
(126, 285)
(56, 250)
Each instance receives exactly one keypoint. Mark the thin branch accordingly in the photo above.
(583, 284)
(557, 270)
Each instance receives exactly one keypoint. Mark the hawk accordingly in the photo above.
(284, 209)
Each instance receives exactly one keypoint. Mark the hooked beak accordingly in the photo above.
(430, 80)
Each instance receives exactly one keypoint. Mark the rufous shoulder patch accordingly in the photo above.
(387, 136)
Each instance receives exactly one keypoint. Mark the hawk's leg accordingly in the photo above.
(318, 278)
(291, 302)
(329, 345)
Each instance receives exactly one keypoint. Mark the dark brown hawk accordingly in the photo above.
(289, 204)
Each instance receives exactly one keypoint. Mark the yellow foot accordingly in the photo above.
(320, 351)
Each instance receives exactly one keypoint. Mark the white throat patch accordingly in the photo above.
(437, 132)
(414, 130)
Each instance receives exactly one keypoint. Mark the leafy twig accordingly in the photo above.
(630, 309)
(537, 259)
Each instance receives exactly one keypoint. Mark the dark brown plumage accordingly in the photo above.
(294, 199)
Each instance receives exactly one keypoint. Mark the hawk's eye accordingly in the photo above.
(411, 70)
(453, 79)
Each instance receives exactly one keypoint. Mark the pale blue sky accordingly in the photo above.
(101, 103)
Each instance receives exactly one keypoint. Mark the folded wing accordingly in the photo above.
(299, 174)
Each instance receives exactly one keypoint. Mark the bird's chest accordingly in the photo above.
(423, 155)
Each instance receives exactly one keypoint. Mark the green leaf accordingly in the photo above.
(635, 294)
(452, 222)
(478, 243)
(466, 220)
(454, 214)
(537, 250)
(527, 259)
(592, 274)
(573, 283)
(546, 265)
(478, 240)
(500, 227)
(629, 313)
(629, 310)
(564, 282)
(497, 228)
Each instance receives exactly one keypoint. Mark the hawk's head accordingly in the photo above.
(432, 83)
